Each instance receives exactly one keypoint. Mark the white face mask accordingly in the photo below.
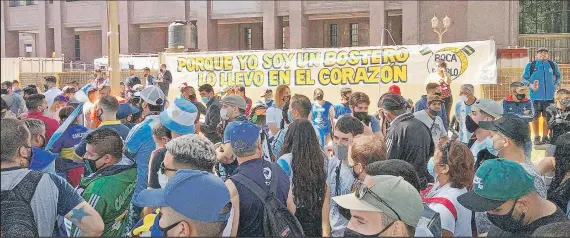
(162, 179)
(224, 114)
(463, 98)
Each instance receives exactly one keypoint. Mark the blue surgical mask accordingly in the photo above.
(205, 99)
(489, 145)
(431, 168)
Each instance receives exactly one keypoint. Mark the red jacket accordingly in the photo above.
(51, 124)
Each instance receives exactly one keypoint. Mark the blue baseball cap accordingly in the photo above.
(41, 159)
(195, 194)
(243, 134)
(126, 109)
(180, 117)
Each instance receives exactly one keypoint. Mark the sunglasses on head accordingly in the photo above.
(364, 190)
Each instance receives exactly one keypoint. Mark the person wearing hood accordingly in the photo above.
(519, 104)
(432, 89)
(110, 186)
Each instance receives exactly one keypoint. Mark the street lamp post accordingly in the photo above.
(438, 30)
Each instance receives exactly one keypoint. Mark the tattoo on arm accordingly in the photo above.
(78, 214)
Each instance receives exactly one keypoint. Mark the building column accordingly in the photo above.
(377, 22)
(298, 26)
(64, 38)
(207, 27)
(410, 23)
(514, 23)
(272, 26)
(128, 33)
(10, 40)
(104, 29)
(46, 44)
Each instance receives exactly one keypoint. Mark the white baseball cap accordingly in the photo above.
(152, 95)
(489, 106)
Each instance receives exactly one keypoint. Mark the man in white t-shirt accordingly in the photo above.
(430, 118)
(52, 90)
(93, 96)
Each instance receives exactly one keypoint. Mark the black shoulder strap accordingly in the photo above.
(27, 187)
(252, 186)
(551, 65)
(274, 179)
(532, 66)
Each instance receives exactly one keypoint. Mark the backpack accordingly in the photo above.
(17, 214)
(431, 221)
(533, 66)
(278, 221)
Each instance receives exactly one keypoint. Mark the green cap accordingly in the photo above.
(390, 195)
(495, 182)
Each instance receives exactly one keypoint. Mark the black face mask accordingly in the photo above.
(287, 99)
(363, 117)
(437, 94)
(521, 96)
(350, 233)
(166, 229)
(433, 112)
(471, 125)
(507, 222)
(320, 97)
(192, 97)
(46, 87)
(43, 144)
(99, 114)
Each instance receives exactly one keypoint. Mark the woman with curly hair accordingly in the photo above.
(303, 161)
(453, 167)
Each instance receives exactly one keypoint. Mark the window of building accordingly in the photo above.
(540, 17)
(247, 38)
(333, 32)
(30, 2)
(14, 3)
(353, 34)
(284, 38)
(77, 48)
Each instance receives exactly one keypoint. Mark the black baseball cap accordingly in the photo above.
(510, 125)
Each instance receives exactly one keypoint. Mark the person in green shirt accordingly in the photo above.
(110, 187)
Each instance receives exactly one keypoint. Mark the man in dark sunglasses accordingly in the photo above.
(384, 205)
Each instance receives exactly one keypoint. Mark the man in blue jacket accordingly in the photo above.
(542, 76)
(519, 104)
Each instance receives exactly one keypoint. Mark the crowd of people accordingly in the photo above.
(82, 162)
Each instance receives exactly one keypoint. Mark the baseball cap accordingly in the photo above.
(180, 116)
(433, 98)
(395, 89)
(152, 95)
(541, 49)
(195, 194)
(391, 101)
(468, 87)
(489, 106)
(243, 134)
(495, 182)
(234, 101)
(398, 199)
(61, 98)
(126, 109)
(510, 125)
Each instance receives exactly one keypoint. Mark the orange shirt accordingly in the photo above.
(95, 122)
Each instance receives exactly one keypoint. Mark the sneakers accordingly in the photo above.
(537, 141)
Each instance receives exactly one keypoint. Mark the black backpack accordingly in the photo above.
(17, 214)
(533, 65)
(277, 220)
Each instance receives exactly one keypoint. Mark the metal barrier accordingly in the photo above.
(65, 78)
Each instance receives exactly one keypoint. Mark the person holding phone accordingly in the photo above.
(359, 103)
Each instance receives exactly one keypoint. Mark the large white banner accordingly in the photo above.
(468, 62)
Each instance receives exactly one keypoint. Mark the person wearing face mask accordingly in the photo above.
(504, 190)
(452, 168)
(42, 160)
(422, 104)
(384, 205)
(558, 116)
(359, 103)
(232, 112)
(205, 214)
(462, 111)
(274, 114)
(212, 119)
(543, 77)
(322, 115)
(343, 107)
(148, 78)
(299, 109)
(339, 174)
(37, 105)
(110, 185)
(430, 118)
(16, 103)
(52, 196)
(518, 103)
(481, 110)
(51, 89)
(365, 150)
(187, 92)
(407, 138)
